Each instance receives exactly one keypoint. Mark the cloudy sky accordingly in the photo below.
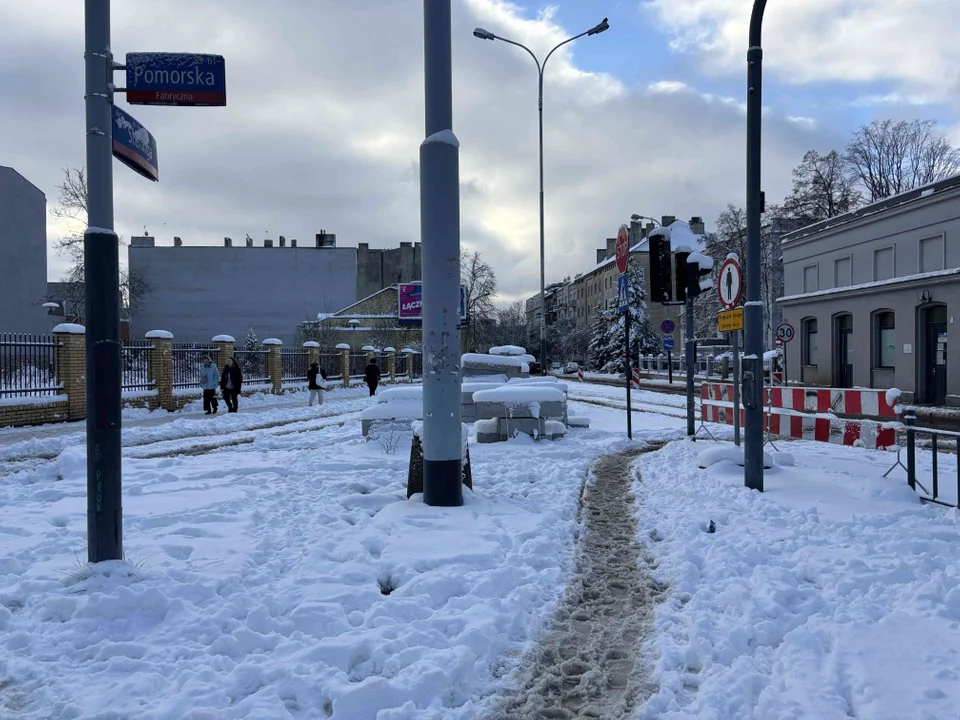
(325, 112)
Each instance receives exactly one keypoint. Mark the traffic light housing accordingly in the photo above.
(661, 289)
(680, 274)
(699, 270)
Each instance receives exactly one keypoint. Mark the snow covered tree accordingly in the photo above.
(609, 330)
(252, 342)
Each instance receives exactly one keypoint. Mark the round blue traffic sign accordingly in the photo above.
(667, 326)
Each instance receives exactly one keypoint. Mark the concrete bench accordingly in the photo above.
(532, 410)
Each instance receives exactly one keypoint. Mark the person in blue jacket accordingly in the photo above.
(209, 381)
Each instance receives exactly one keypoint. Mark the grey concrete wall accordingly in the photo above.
(905, 302)
(199, 292)
(379, 268)
(935, 216)
(23, 255)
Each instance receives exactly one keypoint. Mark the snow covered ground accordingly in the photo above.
(276, 569)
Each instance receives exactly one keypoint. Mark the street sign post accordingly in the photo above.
(730, 284)
(176, 79)
(133, 145)
(623, 264)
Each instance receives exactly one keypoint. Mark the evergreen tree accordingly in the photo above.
(609, 330)
(252, 342)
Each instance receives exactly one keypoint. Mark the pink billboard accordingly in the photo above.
(410, 302)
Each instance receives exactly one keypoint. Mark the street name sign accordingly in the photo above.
(176, 79)
(730, 284)
(133, 145)
(730, 320)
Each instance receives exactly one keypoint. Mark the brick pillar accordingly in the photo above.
(226, 346)
(410, 366)
(274, 348)
(345, 363)
(72, 367)
(392, 359)
(313, 352)
(160, 367)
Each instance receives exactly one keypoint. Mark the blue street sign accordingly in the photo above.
(622, 292)
(667, 326)
(176, 79)
(133, 145)
(668, 342)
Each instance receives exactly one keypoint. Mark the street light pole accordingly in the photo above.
(486, 35)
(753, 313)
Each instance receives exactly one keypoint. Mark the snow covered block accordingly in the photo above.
(479, 364)
(224, 338)
(70, 329)
(578, 422)
(410, 393)
(159, 335)
(487, 431)
(508, 350)
(521, 409)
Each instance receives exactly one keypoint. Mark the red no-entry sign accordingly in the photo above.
(623, 249)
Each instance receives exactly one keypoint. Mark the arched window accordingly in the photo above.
(884, 339)
(809, 342)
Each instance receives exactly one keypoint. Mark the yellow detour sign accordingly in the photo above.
(730, 320)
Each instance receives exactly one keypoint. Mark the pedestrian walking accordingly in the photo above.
(371, 376)
(209, 380)
(316, 383)
(230, 381)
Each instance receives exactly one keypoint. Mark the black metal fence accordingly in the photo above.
(135, 363)
(187, 360)
(400, 365)
(935, 440)
(28, 365)
(253, 365)
(358, 363)
(293, 365)
(330, 364)
(417, 365)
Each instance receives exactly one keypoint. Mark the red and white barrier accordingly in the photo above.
(804, 413)
(636, 378)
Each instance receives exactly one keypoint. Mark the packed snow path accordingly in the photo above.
(588, 666)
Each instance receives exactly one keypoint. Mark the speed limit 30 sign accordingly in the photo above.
(785, 332)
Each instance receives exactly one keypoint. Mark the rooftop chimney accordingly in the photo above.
(326, 240)
(283, 241)
(293, 242)
(249, 241)
(696, 225)
(268, 243)
(142, 241)
(227, 242)
(611, 247)
(177, 242)
(601, 254)
(667, 220)
(650, 228)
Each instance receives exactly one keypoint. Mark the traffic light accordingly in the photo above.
(680, 273)
(699, 271)
(659, 251)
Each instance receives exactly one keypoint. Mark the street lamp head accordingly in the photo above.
(484, 34)
(604, 25)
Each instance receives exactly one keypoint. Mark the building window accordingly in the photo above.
(883, 268)
(885, 345)
(843, 271)
(811, 278)
(811, 345)
(931, 254)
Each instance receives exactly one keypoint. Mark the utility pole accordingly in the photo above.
(102, 290)
(691, 362)
(753, 311)
(440, 235)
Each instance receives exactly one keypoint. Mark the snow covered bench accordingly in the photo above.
(530, 409)
(477, 365)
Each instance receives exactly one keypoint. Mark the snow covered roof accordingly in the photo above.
(890, 204)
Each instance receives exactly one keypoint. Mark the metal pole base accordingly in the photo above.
(442, 483)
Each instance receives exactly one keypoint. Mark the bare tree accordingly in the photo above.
(511, 324)
(889, 157)
(480, 283)
(324, 335)
(822, 189)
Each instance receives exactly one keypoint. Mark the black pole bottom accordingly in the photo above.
(442, 483)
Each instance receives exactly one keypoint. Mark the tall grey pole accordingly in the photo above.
(753, 312)
(440, 235)
(102, 297)
(691, 362)
(735, 350)
(543, 297)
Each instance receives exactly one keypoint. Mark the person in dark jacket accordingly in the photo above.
(230, 381)
(371, 376)
(316, 383)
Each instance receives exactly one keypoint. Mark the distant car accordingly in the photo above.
(572, 367)
(555, 366)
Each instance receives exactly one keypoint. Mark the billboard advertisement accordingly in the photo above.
(410, 302)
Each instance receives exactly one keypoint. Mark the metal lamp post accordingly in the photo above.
(753, 312)
(487, 35)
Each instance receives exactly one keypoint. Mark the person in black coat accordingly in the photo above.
(231, 381)
(316, 383)
(371, 376)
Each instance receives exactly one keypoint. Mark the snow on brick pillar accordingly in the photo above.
(160, 367)
(71, 351)
(274, 348)
(312, 349)
(344, 351)
(392, 362)
(225, 345)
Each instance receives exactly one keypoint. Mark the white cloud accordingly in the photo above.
(911, 44)
(325, 117)
(802, 121)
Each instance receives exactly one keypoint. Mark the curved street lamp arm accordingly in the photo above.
(756, 22)
(529, 51)
(568, 40)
